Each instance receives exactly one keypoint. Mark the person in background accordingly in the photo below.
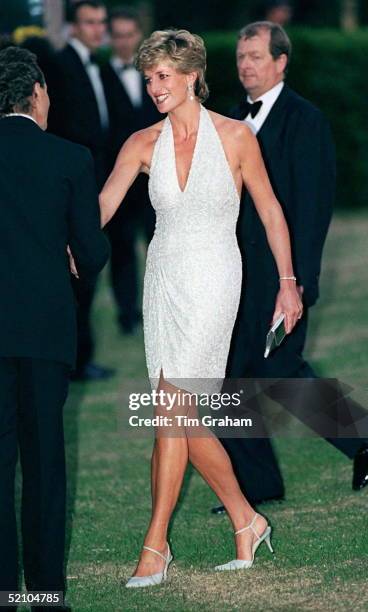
(298, 151)
(79, 112)
(130, 109)
(48, 201)
(278, 11)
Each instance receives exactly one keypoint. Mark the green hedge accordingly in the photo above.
(329, 68)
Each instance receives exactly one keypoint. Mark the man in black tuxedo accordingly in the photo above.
(298, 151)
(130, 109)
(79, 113)
(48, 201)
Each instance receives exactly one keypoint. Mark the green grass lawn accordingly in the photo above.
(320, 531)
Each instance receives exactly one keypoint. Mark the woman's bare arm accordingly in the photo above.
(128, 165)
(256, 180)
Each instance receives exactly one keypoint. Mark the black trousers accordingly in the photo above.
(84, 291)
(135, 214)
(32, 396)
(253, 459)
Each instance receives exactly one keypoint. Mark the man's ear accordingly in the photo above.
(282, 63)
(35, 95)
(36, 90)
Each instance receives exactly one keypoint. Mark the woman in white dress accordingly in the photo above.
(197, 162)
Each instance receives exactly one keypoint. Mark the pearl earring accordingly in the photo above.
(190, 92)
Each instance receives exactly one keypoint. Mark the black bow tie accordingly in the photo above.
(249, 107)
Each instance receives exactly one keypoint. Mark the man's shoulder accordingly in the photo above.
(110, 78)
(71, 152)
(66, 52)
(67, 58)
(299, 106)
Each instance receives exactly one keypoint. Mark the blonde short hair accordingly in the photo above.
(184, 50)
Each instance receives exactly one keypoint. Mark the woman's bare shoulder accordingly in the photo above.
(230, 128)
(148, 136)
(139, 146)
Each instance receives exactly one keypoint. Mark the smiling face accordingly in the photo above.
(167, 87)
(258, 71)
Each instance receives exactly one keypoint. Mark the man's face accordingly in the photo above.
(90, 27)
(258, 71)
(125, 37)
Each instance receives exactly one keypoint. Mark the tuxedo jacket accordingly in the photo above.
(299, 155)
(125, 119)
(74, 111)
(48, 200)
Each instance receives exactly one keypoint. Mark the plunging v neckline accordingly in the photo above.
(183, 191)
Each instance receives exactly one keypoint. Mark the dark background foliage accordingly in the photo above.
(193, 14)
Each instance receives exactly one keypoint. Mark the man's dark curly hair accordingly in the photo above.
(19, 72)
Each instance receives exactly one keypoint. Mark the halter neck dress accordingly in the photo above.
(193, 271)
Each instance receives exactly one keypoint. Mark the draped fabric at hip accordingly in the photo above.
(194, 270)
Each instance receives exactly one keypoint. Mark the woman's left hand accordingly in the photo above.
(289, 303)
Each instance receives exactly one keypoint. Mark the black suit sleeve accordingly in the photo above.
(313, 190)
(87, 242)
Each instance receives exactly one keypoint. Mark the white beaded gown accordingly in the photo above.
(193, 270)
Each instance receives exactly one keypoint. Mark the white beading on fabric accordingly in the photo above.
(193, 271)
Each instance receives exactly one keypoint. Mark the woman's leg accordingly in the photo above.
(211, 460)
(172, 449)
(169, 461)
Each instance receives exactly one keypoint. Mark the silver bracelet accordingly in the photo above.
(287, 278)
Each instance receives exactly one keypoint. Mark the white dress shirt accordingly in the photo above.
(268, 100)
(22, 115)
(93, 73)
(131, 80)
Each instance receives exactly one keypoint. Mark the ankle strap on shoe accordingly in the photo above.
(250, 526)
(156, 552)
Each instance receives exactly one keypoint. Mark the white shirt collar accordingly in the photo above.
(21, 115)
(268, 99)
(83, 51)
(270, 96)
